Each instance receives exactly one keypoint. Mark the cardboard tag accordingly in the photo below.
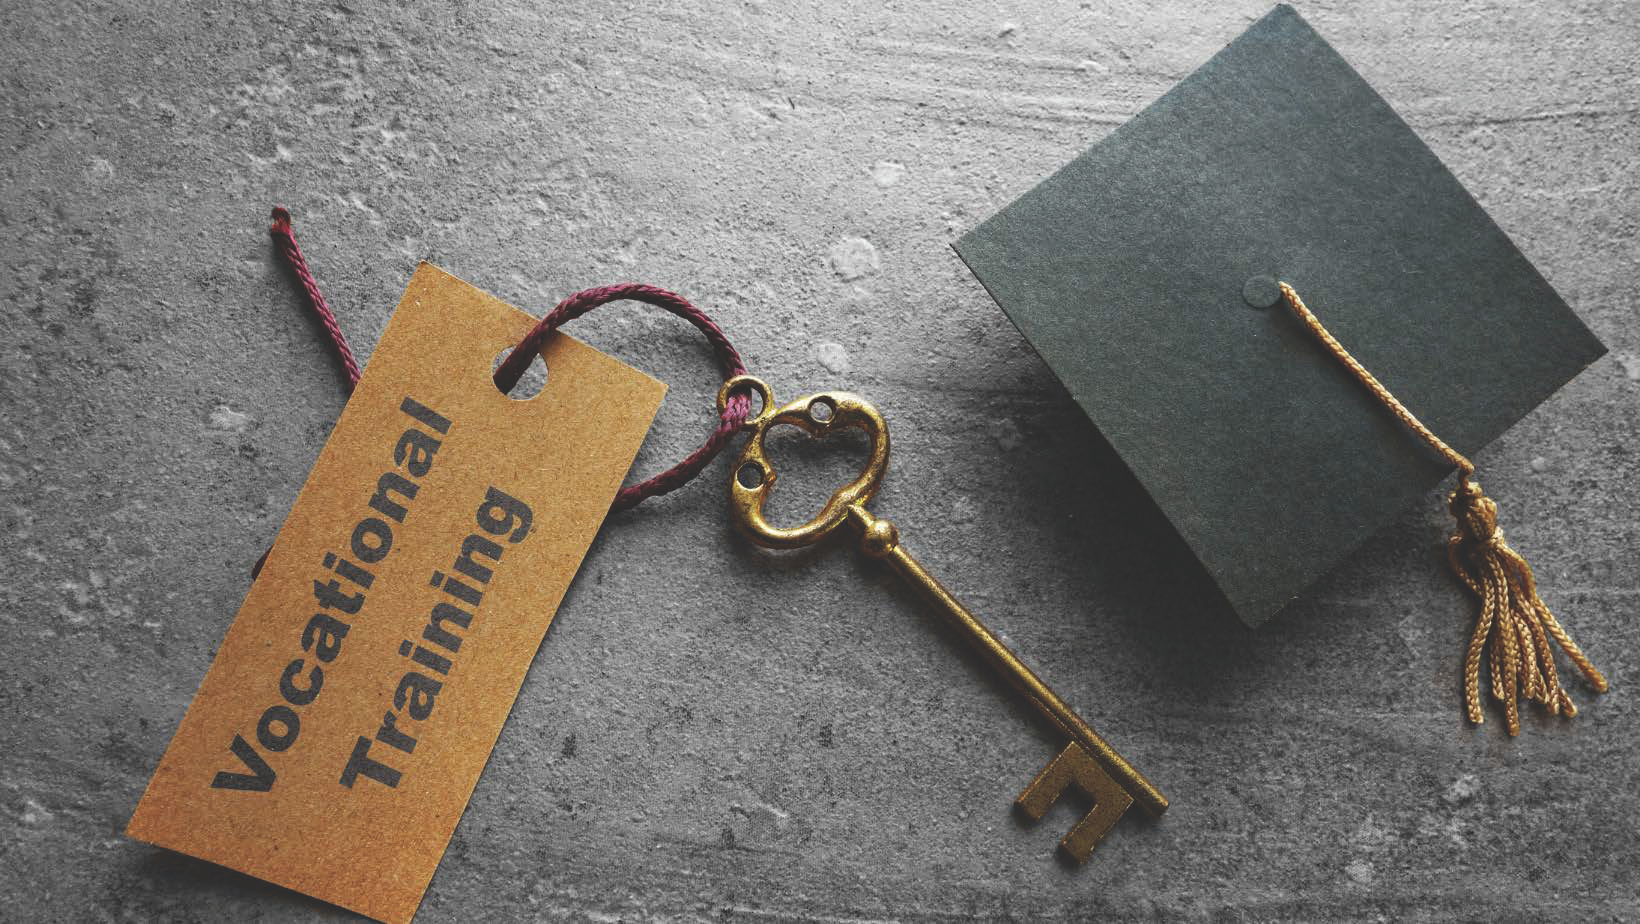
(337, 737)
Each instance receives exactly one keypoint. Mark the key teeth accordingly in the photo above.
(1074, 766)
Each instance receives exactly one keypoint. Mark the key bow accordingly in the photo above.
(817, 415)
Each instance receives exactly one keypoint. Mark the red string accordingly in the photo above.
(735, 411)
(285, 237)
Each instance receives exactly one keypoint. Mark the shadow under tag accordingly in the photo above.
(1135, 271)
(337, 737)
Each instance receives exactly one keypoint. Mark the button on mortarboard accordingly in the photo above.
(1133, 269)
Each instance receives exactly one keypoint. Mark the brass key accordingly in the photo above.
(1087, 761)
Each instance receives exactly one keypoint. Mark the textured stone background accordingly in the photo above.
(711, 732)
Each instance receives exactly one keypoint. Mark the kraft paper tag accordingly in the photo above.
(337, 737)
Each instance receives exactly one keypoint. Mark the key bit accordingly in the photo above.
(1087, 762)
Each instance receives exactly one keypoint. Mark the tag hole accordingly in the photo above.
(750, 475)
(821, 410)
(530, 383)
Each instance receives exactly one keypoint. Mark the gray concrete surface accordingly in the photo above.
(710, 732)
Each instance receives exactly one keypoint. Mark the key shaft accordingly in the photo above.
(879, 538)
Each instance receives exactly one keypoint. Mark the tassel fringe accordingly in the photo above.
(1515, 626)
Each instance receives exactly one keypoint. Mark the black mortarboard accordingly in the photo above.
(1126, 271)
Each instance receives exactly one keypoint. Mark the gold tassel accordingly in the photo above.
(1514, 626)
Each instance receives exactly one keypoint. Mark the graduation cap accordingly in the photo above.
(1163, 274)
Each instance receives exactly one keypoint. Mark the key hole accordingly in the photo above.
(530, 383)
(750, 475)
(821, 410)
(812, 466)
